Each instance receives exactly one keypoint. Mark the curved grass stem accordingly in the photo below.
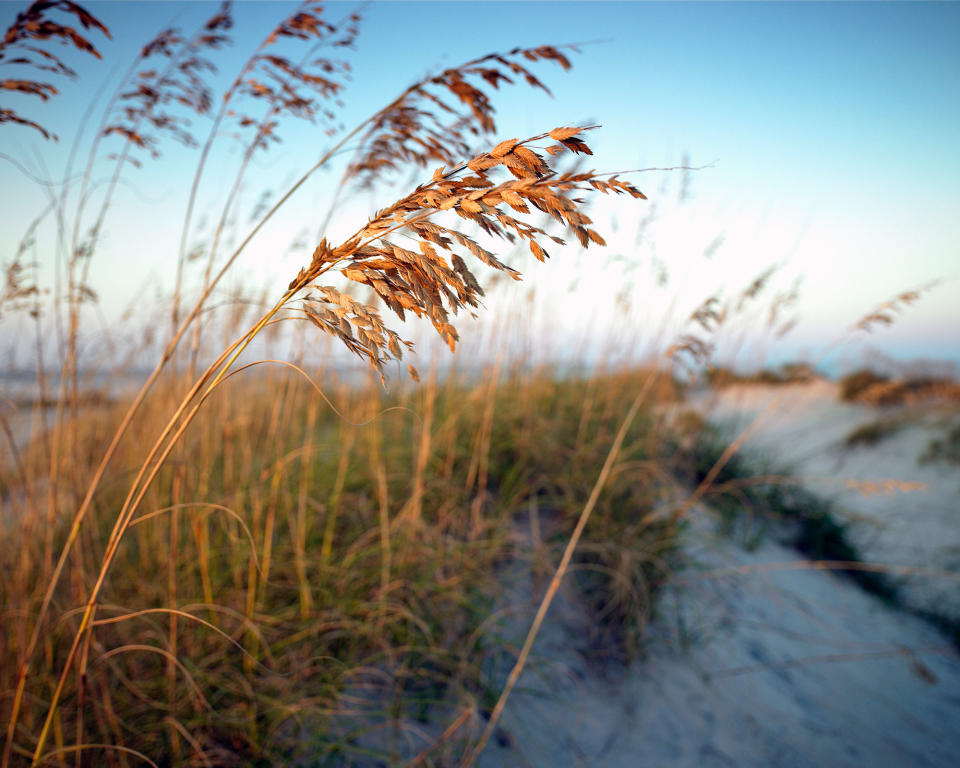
(149, 469)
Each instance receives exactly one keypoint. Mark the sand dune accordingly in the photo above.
(802, 428)
(755, 659)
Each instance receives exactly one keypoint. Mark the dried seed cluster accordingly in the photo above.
(179, 82)
(435, 281)
(18, 47)
(296, 88)
(886, 313)
(287, 87)
(424, 125)
(694, 352)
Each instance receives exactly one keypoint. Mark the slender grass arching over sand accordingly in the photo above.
(404, 280)
(433, 281)
(393, 512)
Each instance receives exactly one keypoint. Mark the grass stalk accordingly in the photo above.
(559, 573)
(157, 456)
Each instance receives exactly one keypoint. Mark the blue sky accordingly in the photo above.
(831, 128)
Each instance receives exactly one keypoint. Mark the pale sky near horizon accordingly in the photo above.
(830, 131)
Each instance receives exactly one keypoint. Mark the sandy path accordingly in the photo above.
(804, 432)
(753, 661)
(758, 668)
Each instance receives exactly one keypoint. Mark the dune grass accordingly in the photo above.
(283, 562)
(209, 571)
(341, 572)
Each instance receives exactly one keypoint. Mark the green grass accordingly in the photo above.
(754, 499)
(768, 496)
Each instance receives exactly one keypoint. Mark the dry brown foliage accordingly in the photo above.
(296, 88)
(422, 127)
(690, 350)
(20, 289)
(424, 282)
(17, 47)
(694, 349)
(890, 487)
(180, 82)
(886, 313)
(904, 391)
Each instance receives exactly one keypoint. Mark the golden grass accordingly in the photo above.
(257, 563)
(66, 471)
(305, 569)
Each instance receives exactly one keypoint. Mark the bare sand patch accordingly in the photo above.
(901, 511)
(753, 660)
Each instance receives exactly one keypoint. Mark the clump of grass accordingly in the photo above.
(230, 610)
(945, 449)
(627, 550)
(869, 387)
(853, 385)
(788, 373)
(753, 499)
(334, 581)
(765, 494)
(872, 432)
(911, 391)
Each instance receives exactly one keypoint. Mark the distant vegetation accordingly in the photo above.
(853, 385)
(945, 449)
(873, 432)
(866, 386)
(788, 373)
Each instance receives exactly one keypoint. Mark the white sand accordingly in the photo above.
(754, 660)
(802, 428)
(779, 668)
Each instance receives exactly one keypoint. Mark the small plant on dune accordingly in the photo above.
(945, 449)
(853, 385)
(872, 432)
(412, 255)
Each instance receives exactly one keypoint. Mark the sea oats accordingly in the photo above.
(425, 283)
(17, 47)
(423, 125)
